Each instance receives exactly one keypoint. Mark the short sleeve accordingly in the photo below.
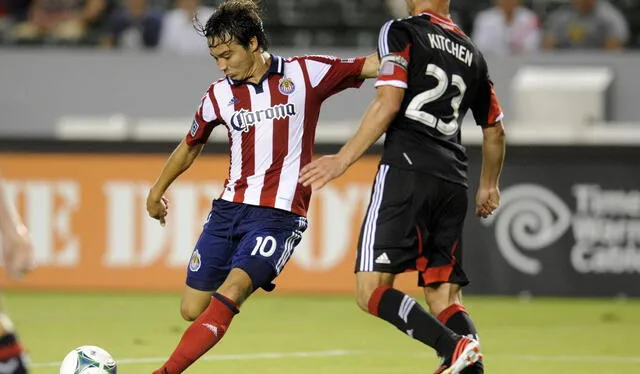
(394, 49)
(486, 106)
(330, 75)
(205, 119)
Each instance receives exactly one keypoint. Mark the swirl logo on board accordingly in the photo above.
(529, 219)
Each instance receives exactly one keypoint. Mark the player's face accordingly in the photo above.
(232, 58)
(508, 5)
(584, 5)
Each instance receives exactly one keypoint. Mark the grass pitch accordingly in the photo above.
(276, 334)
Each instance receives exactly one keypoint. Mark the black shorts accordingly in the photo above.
(414, 222)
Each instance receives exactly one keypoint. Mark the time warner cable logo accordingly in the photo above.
(605, 227)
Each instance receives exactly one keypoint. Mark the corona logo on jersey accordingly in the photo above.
(605, 228)
(243, 119)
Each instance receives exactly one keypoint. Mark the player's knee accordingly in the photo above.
(190, 312)
(362, 299)
(440, 297)
(366, 285)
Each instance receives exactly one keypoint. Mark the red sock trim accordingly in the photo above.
(10, 351)
(450, 312)
(374, 300)
(230, 304)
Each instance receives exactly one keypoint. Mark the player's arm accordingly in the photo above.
(493, 153)
(179, 161)
(617, 32)
(370, 67)
(375, 122)
(394, 47)
(9, 219)
(206, 118)
(488, 114)
(382, 110)
(17, 247)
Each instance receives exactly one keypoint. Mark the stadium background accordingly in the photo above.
(85, 128)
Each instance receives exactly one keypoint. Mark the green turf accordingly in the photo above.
(537, 336)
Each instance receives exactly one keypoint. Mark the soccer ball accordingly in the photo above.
(88, 359)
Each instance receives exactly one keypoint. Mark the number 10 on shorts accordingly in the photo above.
(265, 246)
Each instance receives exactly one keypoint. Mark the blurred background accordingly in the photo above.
(94, 95)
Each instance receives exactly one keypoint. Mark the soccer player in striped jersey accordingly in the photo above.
(431, 74)
(269, 106)
(17, 252)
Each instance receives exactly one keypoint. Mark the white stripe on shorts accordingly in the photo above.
(369, 232)
(289, 244)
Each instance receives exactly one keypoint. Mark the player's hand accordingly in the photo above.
(157, 207)
(18, 253)
(487, 201)
(319, 172)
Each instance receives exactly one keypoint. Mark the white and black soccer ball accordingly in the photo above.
(88, 359)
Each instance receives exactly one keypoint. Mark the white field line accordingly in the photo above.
(557, 358)
(238, 357)
(339, 353)
(566, 358)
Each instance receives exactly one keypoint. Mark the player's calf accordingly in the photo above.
(205, 332)
(408, 316)
(445, 302)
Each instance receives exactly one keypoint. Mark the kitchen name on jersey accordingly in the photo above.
(455, 49)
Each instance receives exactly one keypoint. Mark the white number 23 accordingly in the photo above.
(414, 108)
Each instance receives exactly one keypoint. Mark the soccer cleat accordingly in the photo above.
(465, 354)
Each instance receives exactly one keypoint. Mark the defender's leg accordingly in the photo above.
(388, 245)
(444, 276)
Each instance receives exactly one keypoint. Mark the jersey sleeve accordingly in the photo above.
(394, 50)
(330, 75)
(205, 119)
(485, 106)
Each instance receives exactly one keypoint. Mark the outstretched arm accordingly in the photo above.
(179, 161)
(17, 248)
(376, 121)
(370, 67)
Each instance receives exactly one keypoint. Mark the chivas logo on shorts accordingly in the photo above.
(195, 262)
(286, 86)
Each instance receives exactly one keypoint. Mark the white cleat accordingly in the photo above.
(466, 353)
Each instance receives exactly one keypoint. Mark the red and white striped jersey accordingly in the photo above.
(271, 126)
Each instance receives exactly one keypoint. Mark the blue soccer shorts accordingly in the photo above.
(258, 240)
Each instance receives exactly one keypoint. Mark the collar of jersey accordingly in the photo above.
(437, 17)
(276, 67)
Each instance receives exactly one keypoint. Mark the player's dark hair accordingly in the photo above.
(235, 19)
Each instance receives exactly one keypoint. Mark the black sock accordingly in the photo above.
(409, 317)
(12, 359)
(457, 319)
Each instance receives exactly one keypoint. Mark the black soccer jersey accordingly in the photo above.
(444, 75)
